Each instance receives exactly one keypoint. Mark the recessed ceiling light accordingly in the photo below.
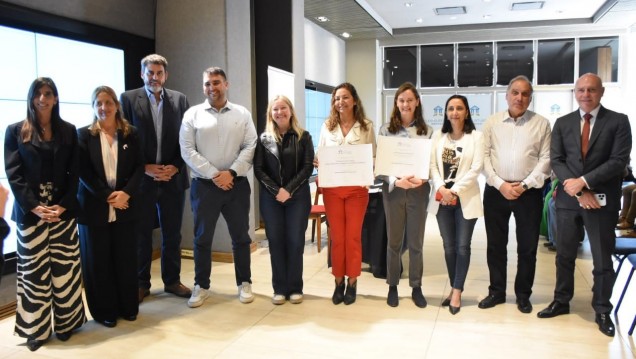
(453, 17)
(419, 20)
(408, 4)
(322, 18)
(455, 10)
(529, 5)
(346, 35)
(487, 16)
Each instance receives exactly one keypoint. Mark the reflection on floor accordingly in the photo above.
(225, 328)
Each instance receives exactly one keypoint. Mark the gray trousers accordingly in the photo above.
(405, 212)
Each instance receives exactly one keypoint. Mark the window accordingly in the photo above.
(475, 65)
(400, 66)
(600, 56)
(555, 62)
(437, 66)
(317, 107)
(513, 59)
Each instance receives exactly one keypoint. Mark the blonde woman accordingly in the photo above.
(283, 163)
(111, 168)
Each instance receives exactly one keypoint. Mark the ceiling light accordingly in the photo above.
(395, 67)
(487, 16)
(322, 18)
(346, 35)
(530, 5)
(419, 20)
(408, 4)
(453, 17)
(455, 10)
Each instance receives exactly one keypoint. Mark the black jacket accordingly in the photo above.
(24, 165)
(297, 159)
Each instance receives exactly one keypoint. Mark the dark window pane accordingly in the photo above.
(475, 65)
(556, 62)
(400, 65)
(437, 66)
(600, 56)
(513, 59)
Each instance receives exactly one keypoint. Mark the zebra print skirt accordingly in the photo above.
(49, 278)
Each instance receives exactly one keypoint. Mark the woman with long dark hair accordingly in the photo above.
(456, 161)
(40, 155)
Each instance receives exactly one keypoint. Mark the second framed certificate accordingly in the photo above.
(403, 156)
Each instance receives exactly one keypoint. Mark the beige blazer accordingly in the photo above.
(470, 165)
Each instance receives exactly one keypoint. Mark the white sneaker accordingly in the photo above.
(245, 293)
(278, 299)
(199, 295)
(296, 298)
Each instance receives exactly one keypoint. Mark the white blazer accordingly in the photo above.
(470, 165)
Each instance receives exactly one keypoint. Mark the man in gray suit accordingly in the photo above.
(157, 113)
(589, 151)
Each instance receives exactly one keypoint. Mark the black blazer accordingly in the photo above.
(608, 154)
(298, 158)
(93, 188)
(136, 107)
(23, 166)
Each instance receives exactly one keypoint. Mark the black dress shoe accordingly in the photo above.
(142, 293)
(524, 306)
(130, 318)
(418, 297)
(108, 323)
(338, 293)
(64, 336)
(350, 294)
(555, 308)
(446, 302)
(34, 344)
(490, 301)
(392, 298)
(605, 324)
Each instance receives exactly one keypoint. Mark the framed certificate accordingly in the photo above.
(403, 156)
(346, 165)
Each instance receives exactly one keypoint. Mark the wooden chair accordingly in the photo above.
(317, 217)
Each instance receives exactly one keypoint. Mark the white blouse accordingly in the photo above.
(109, 157)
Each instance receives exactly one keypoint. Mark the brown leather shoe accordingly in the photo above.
(178, 289)
(143, 293)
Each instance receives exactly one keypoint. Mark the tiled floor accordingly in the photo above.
(225, 328)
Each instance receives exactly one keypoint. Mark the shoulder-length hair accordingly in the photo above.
(122, 124)
(358, 110)
(271, 127)
(396, 118)
(31, 127)
(469, 125)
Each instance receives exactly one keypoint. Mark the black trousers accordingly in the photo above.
(527, 212)
(109, 266)
(599, 225)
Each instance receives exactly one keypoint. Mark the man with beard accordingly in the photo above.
(157, 113)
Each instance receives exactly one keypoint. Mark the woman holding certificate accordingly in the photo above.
(456, 162)
(346, 205)
(283, 165)
(405, 199)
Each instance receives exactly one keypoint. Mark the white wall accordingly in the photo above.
(363, 57)
(324, 56)
(136, 17)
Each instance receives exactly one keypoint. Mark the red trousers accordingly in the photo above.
(345, 207)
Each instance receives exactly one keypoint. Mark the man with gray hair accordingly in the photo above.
(516, 165)
(157, 113)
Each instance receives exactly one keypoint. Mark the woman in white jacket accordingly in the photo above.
(456, 162)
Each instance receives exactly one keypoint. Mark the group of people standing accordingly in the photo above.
(119, 177)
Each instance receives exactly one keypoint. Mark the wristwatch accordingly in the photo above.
(578, 194)
(524, 186)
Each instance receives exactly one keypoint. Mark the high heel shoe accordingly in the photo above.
(339, 293)
(453, 310)
(34, 344)
(446, 302)
(350, 295)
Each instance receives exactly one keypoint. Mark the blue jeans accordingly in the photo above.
(208, 202)
(457, 233)
(285, 226)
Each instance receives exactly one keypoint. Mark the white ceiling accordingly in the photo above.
(382, 19)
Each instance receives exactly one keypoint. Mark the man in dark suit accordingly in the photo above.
(157, 113)
(589, 151)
